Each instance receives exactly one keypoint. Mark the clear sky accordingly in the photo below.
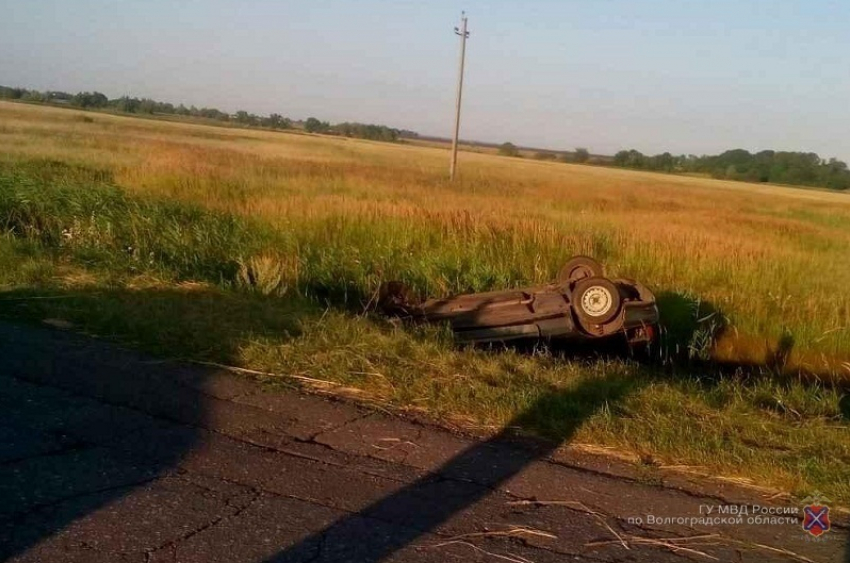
(681, 75)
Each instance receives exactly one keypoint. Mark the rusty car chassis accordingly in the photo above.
(581, 305)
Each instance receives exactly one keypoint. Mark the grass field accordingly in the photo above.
(258, 249)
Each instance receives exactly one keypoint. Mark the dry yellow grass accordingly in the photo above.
(771, 258)
(347, 214)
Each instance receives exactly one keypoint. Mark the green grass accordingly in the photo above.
(99, 225)
(183, 281)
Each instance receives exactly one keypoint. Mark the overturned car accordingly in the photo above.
(581, 305)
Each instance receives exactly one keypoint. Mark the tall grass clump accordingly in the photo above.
(100, 225)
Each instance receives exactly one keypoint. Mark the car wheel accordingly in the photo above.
(578, 268)
(596, 300)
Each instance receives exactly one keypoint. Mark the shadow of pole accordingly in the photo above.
(358, 537)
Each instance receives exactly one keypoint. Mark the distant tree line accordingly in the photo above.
(777, 167)
(508, 149)
(358, 130)
(368, 131)
(126, 104)
(580, 155)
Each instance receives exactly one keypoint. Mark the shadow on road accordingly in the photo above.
(65, 461)
(85, 476)
(494, 462)
(691, 333)
(75, 438)
(76, 432)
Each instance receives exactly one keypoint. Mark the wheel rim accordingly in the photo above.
(596, 301)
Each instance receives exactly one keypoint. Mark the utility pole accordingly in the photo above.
(464, 34)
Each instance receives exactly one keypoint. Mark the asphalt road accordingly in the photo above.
(110, 455)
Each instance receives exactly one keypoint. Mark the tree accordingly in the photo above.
(34, 96)
(781, 167)
(581, 155)
(147, 106)
(243, 117)
(508, 149)
(313, 125)
(125, 104)
(663, 162)
(367, 131)
(276, 121)
(11, 93)
(90, 100)
(630, 159)
(211, 113)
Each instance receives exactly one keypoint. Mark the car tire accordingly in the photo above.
(596, 300)
(579, 268)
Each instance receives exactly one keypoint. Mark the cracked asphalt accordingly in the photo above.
(110, 455)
